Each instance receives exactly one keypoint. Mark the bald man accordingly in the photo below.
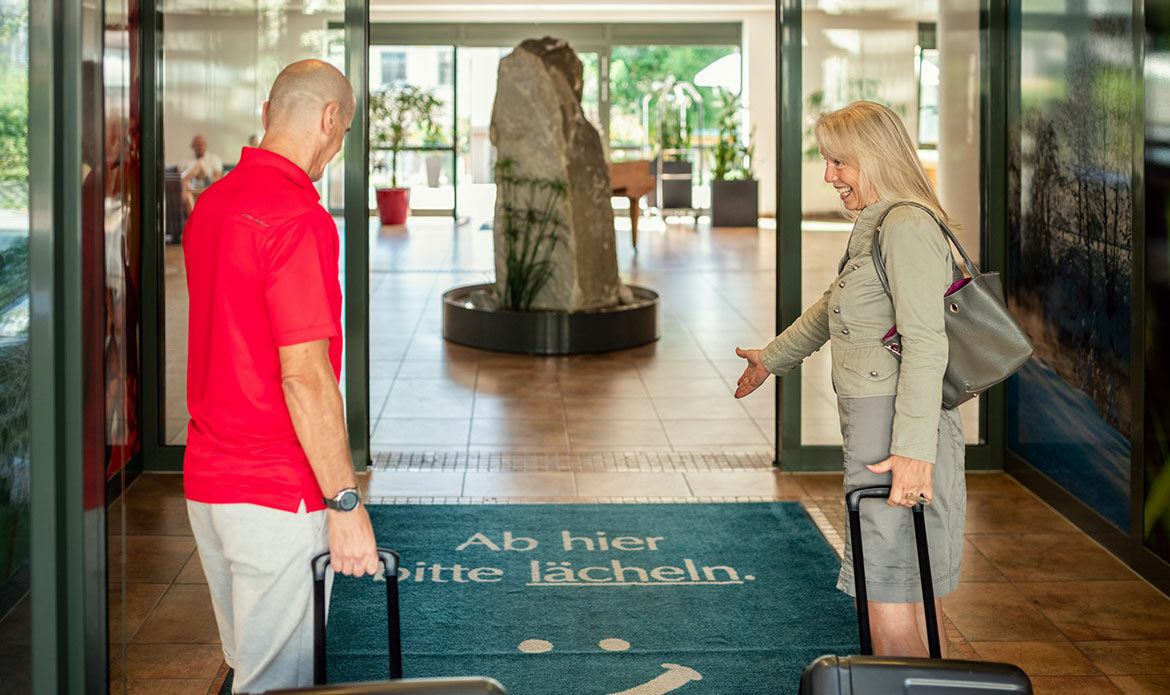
(267, 473)
(202, 171)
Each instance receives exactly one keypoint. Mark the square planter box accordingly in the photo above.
(735, 203)
(676, 193)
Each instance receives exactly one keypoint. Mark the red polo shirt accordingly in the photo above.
(261, 256)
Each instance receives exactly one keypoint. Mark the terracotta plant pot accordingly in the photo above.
(393, 205)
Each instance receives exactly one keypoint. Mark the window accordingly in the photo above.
(446, 68)
(393, 67)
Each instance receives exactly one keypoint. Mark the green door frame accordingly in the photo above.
(791, 453)
(157, 455)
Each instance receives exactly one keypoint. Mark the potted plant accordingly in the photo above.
(394, 113)
(433, 136)
(675, 142)
(734, 191)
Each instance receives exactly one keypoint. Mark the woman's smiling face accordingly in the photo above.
(845, 178)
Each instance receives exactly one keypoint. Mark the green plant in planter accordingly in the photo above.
(733, 154)
(531, 231)
(395, 112)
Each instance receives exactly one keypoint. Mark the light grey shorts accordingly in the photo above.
(887, 533)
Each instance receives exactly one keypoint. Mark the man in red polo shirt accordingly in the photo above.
(267, 473)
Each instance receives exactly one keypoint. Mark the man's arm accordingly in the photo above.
(318, 416)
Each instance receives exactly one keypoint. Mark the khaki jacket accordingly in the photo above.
(855, 314)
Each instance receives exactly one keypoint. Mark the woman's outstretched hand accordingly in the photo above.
(911, 480)
(753, 375)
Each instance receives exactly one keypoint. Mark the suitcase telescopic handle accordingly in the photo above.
(853, 504)
(389, 560)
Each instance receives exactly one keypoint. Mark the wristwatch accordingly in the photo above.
(345, 501)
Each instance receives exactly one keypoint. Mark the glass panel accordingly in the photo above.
(14, 366)
(1070, 239)
(863, 51)
(477, 76)
(1156, 514)
(219, 60)
(425, 162)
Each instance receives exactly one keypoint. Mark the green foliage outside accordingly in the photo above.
(859, 89)
(532, 227)
(733, 153)
(397, 113)
(14, 426)
(634, 70)
(13, 107)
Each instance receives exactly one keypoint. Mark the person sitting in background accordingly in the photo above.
(199, 173)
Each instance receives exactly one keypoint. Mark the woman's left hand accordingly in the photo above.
(911, 480)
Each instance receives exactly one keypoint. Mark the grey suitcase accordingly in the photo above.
(882, 675)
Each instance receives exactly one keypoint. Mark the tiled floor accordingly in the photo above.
(1035, 592)
(718, 292)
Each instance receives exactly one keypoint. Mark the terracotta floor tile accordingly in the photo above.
(140, 599)
(1049, 557)
(548, 435)
(461, 373)
(192, 572)
(516, 384)
(535, 407)
(587, 386)
(150, 559)
(976, 567)
(1039, 658)
(994, 483)
(631, 484)
(744, 483)
(1142, 685)
(420, 433)
(1073, 685)
(421, 398)
(997, 611)
(170, 686)
(1102, 610)
(700, 408)
(519, 484)
(416, 483)
(822, 485)
(715, 433)
(637, 408)
(183, 616)
(685, 369)
(615, 435)
(185, 661)
(1014, 515)
(1129, 657)
(677, 387)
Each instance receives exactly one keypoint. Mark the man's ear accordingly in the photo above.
(264, 116)
(330, 116)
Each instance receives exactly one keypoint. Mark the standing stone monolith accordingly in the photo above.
(538, 125)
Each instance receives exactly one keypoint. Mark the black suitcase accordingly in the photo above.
(874, 675)
(396, 685)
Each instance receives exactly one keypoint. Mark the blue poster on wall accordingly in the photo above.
(1070, 244)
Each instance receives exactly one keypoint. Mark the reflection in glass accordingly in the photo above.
(218, 62)
(14, 335)
(922, 62)
(1070, 237)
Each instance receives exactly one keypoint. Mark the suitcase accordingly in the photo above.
(396, 685)
(871, 675)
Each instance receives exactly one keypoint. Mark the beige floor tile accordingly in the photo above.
(1039, 658)
(996, 611)
(716, 433)
(744, 483)
(516, 384)
(1129, 657)
(545, 434)
(700, 408)
(519, 484)
(1073, 685)
(427, 398)
(534, 407)
(653, 369)
(420, 434)
(615, 435)
(585, 386)
(461, 373)
(678, 387)
(1049, 557)
(1102, 610)
(415, 484)
(631, 484)
(822, 485)
(183, 616)
(1142, 685)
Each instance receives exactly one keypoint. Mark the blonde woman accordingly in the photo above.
(894, 427)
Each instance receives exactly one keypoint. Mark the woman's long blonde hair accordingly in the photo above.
(873, 138)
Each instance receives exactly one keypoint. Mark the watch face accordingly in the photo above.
(347, 501)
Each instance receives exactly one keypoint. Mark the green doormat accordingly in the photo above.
(596, 599)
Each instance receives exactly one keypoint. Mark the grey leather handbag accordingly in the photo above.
(987, 345)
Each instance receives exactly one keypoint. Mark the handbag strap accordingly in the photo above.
(880, 266)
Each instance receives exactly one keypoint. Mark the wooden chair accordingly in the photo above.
(632, 180)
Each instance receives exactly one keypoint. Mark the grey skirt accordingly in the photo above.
(887, 533)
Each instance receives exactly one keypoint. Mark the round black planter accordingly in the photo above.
(549, 332)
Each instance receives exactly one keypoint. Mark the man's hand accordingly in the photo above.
(352, 549)
(753, 376)
(911, 480)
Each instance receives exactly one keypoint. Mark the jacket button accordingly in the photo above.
(836, 310)
(873, 373)
(855, 267)
(845, 331)
(841, 284)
